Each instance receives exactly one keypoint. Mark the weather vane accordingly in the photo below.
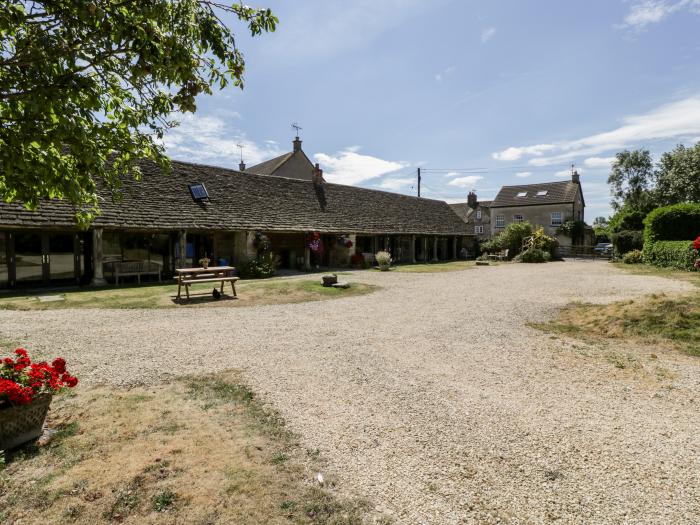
(297, 127)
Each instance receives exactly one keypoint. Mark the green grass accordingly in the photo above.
(451, 266)
(671, 273)
(250, 293)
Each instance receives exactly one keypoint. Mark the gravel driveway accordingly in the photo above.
(432, 398)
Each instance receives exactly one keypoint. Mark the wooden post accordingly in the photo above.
(413, 249)
(425, 249)
(454, 248)
(435, 249)
(182, 259)
(98, 270)
(307, 258)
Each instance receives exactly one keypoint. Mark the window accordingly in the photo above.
(542, 193)
(500, 221)
(518, 218)
(478, 229)
(522, 194)
(556, 218)
(199, 192)
(478, 215)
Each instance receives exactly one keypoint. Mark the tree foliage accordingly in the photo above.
(678, 176)
(87, 87)
(630, 179)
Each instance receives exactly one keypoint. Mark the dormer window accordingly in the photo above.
(522, 194)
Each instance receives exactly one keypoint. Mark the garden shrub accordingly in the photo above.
(627, 240)
(626, 219)
(679, 222)
(670, 254)
(543, 242)
(383, 260)
(534, 255)
(510, 239)
(261, 267)
(633, 257)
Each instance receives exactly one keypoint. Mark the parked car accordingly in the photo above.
(603, 248)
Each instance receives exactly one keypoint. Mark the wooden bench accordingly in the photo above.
(218, 274)
(136, 268)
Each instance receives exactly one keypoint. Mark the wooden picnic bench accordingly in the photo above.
(213, 274)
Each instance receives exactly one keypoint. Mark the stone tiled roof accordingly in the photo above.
(464, 211)
(242, 201)
(557, 193)
(270, 166)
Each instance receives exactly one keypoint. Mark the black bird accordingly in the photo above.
(216, 293)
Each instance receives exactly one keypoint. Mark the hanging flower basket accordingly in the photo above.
(26, 390)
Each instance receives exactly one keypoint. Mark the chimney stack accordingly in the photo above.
(472, 201)
(318, 175)
(241, 166)
(575, 177)
(297, 144)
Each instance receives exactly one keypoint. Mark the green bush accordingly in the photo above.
(633, 257)
(673, 223)
(261, 267)
(626, 241)
(534, 255)
(383, 260)
(626, 219)
(670, 254)
(510, 239)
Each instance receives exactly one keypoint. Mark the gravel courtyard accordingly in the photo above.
(431, 397)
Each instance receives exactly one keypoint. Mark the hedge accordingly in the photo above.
(679, 222)
(670, 254)
(626, 241)
(626, 220)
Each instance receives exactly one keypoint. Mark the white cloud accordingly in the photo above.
(517, 153)
(466, 182)
(523, 174)
(599, 162)
(439, 77)
(212, 140)
(350, 167)
(452, 174)
(567, 173)
(487, 34)
(676, 120)
(646, 12)
(396, 184)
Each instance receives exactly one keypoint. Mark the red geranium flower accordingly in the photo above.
(59, 364)
(696, 243)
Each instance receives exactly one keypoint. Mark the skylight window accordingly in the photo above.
(199, 192)
(522, 194)
(542, 193)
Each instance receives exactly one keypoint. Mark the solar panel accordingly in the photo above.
(199, 192)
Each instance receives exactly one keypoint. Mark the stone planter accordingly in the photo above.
(329, 280)
(384, 267)
(23, 423)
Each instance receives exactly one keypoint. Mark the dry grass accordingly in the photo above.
(452, 266)
(201, 450)
(656, 319)
(250, 293)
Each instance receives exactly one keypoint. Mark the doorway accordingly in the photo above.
(42, 258)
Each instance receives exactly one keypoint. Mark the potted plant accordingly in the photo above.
(26, 390)
(383, 260)
(204, 262)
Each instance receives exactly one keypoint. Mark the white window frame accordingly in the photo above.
(518, 217)
(479, 229)
(500, 221)
(558, 221)
(478, 215)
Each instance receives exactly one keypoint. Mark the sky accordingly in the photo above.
(478, 94)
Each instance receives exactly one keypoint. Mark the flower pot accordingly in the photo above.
(22, 423)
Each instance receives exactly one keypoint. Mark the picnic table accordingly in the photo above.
(212, 274)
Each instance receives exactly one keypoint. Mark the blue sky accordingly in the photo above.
(495, 92)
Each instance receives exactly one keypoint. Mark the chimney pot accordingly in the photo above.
(241, 166)
(318, 174)
(297, 144)
(575, 177)
(472, 200)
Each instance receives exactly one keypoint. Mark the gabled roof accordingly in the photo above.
(464, 210)
(242, 201)
(563, 192)
(270, 166)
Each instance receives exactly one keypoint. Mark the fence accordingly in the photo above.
(583, 252)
